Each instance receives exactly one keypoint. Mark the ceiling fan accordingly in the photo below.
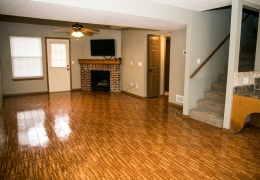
(78, 31)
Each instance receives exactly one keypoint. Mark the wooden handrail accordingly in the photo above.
(197, 70)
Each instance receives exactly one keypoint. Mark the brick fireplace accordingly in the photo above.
(88, 65)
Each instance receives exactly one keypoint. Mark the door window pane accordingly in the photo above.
(58, 55)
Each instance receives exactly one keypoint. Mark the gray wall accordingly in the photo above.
(134, 49)
(205, 33)
(79, 49)
(177, 65)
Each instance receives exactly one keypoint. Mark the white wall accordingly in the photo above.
(79, 49)
(177, 65)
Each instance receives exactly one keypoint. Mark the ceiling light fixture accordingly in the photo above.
(77, 34)
(77, 31)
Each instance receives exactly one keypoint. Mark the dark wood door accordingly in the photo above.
(153, 79)
(167, 65)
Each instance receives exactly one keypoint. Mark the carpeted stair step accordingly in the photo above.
(217, 86)
(245, 66)
(211, 118)
(225, 70)
(245, 69)
(211, 105)
(222, 78)
(248, 49)
(247, 56)
(254, 35)
(245, 63)
(251, 42)
(217, 95)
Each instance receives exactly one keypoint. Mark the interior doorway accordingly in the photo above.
(58, 64)
(153, 67)
(167, 65)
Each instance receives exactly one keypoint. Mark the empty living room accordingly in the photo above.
(120, 89)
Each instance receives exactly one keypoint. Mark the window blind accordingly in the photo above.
(26, 55)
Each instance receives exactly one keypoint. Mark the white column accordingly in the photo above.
(234, 45)
(257, 56)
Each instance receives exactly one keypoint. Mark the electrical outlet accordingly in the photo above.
(131, 63)
(131, 84)
(136, 85)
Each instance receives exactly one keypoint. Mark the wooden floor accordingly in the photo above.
(102, 135)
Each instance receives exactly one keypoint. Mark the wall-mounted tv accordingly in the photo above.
(102, 47)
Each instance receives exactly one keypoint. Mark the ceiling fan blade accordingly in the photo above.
(96, 31)
(62, 29)
(62, 32)
(68, 33)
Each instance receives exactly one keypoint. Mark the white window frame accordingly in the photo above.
(26, 56)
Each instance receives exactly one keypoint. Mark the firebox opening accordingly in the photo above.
(100, 80)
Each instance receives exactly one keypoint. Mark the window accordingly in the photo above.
(26, 55)
(58, 55)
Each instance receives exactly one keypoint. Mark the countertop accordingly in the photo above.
(252, 94)
(247, 91)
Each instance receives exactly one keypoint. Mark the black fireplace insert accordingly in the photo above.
(100, 80)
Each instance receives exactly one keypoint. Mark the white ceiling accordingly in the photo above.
(51, 11)
(73, 12)
(200, 5)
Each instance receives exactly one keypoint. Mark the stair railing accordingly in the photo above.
(198, 69)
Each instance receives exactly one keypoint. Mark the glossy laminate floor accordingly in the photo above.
(102, 135)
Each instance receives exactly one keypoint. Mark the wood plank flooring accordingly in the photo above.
(102, 135)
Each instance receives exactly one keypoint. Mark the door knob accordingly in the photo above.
(150, 70)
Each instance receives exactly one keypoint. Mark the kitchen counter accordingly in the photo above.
(251, 94)
(247, 91)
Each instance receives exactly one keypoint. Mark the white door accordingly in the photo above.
(58, 64)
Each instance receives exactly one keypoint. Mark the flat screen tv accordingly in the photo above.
(102, 47)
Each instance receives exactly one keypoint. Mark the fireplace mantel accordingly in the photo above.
(99, 61)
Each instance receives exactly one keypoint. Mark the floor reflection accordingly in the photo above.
(31, 130)
(61, 127)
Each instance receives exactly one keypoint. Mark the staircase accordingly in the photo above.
(210, 110)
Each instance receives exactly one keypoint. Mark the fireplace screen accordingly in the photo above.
(100, 80)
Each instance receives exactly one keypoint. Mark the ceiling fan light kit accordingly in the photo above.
(77, 31)
(77, 34)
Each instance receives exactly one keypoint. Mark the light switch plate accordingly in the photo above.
(140, 63)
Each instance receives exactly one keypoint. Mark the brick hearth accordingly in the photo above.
(114, 75)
